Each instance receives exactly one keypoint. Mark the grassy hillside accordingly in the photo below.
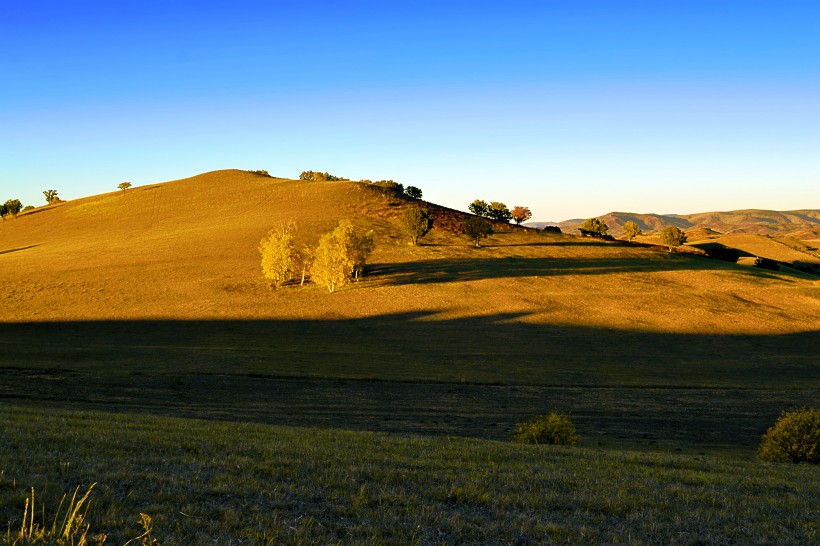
(152, 300)
(226, 483)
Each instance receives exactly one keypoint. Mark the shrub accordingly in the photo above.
(795, 438)
(551, 229)
(261, 172)
(553, 429)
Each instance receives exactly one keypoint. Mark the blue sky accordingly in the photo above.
(573, 108)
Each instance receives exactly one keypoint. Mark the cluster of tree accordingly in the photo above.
(263, 172)
(340, 256)
(495, 210)
(498, 211)
(12, 208)
(316, 175)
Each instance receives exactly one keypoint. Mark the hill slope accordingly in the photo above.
(188, 249)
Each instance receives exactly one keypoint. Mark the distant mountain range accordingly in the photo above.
(800, 224)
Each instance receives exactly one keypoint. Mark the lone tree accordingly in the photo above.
(51, 196)
(479, 207)
(520, 214)
(413, 191)
(341, 254)
(278, 260)
(631, 230)
(477, 229)
(416, 223)
(13, 207)
(499, 211)
(594, 227)
(673, 237)
(124, 185)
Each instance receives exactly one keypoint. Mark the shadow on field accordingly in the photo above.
(416, 373)
(472, 269)
(9, 251)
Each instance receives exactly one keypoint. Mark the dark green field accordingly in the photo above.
(205, 482)
(414, 373)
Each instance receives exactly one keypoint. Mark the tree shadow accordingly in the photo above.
(472, 269)
(9, 251)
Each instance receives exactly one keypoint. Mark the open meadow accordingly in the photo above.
(142, 350)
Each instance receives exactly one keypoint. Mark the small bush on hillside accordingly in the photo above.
(766, 263)
(261, 172)
(795, 438)
(551, 229)
(553, 429)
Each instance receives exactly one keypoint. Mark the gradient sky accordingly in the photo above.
(574, 108)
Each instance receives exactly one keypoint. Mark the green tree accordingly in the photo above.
(277, 252)
(13, 207)
(51, 196)
(632, 230)
(416, 223)
(499, 211)
(479, 207)
(520, 214)
(412, 191)
(124, 185)
(595, 227)
(673, 237)
(477, 229)
(3, 211)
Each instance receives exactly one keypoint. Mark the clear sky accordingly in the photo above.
(574, 108)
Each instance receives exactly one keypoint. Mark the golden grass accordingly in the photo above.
(187, 249)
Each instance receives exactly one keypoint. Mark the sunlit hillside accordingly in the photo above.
(188, 249)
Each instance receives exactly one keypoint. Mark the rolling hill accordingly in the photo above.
(152, 300)
(800, 224)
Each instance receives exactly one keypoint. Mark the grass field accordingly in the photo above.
(238, 483)
(142, 307)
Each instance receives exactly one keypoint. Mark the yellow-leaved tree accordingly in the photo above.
(341, 254)
(278, 254)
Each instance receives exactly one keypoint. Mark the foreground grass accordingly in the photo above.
(228, 483)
